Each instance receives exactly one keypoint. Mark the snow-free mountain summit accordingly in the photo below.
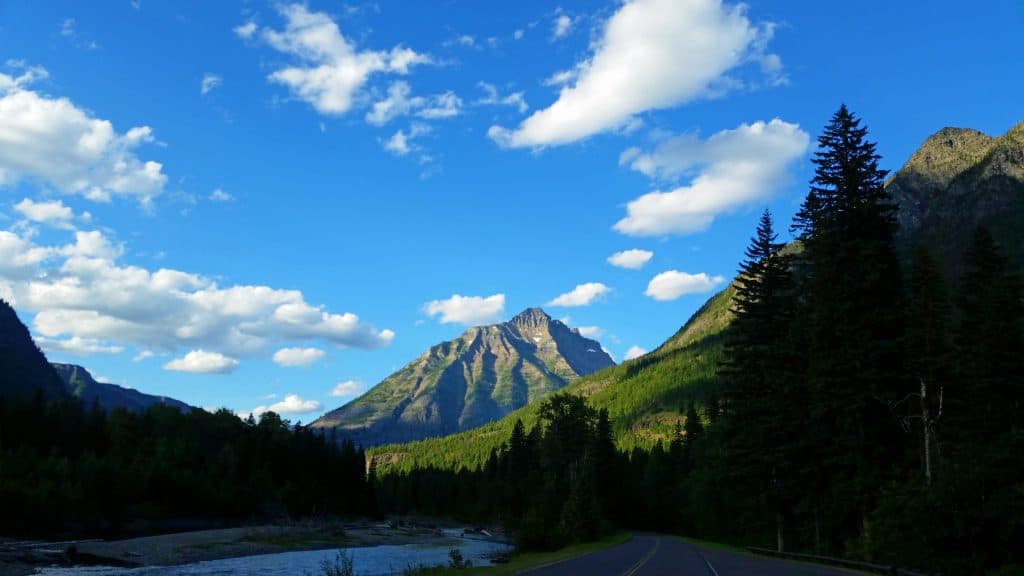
(480, 376)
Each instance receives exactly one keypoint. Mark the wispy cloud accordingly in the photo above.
(330, 71)
(209, 83)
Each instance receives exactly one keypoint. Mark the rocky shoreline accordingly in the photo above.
(22, 558)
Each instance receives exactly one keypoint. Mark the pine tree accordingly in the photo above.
(854, 319)
(520, 464)
(763, 424)
(604, 456)
(989, 344)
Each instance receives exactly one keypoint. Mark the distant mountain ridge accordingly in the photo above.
(25, 372)
(81, 384)
(479, 377)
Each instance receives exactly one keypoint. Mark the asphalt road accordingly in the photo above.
(654, 554)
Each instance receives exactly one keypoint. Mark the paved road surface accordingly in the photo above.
(654, 555)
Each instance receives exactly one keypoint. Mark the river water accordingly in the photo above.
(370, 561)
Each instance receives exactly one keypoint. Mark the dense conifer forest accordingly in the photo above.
(70, 470)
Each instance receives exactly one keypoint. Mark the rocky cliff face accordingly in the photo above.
(960, 178)
(476, 378)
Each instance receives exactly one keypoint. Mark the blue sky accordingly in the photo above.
(259, 204)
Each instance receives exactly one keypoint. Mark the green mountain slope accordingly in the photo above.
(82, 385)
(24, 370)
(644, 397)
(477, 378)
(957, 179)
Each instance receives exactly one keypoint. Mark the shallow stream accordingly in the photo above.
(369, 561)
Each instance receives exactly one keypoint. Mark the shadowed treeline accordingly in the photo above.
(65, 469)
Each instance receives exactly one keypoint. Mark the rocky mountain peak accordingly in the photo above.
(478, 377)
(945, 155)
(531, 318)
(958, 179)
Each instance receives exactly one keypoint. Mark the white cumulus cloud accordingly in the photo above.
(291, 405)
(330, 71)
(54, 213)
(347, 388)
(468, 310)
(80, 289)
(593, 332)
(634, 352)
(52, 141)
(581, 295)
(652, 54)
(203, 362)
(631, 259)
(298, 356)
(735, 167)
(672, 284)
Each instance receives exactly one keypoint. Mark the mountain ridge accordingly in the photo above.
(960, 178)
(24, 370)
(485, 373)
(82, 385)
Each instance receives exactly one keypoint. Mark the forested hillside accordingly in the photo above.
(69, 469)
(24, 370)
(644, 398)
(854, 405)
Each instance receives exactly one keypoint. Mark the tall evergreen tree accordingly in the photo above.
(989, 344)
(606, 477)
(854, 320)
(760, 392)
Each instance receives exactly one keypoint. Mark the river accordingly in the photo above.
(368, 561)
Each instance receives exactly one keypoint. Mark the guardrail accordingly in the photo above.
(878, 568)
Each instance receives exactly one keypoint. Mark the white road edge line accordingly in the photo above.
(710, 567)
